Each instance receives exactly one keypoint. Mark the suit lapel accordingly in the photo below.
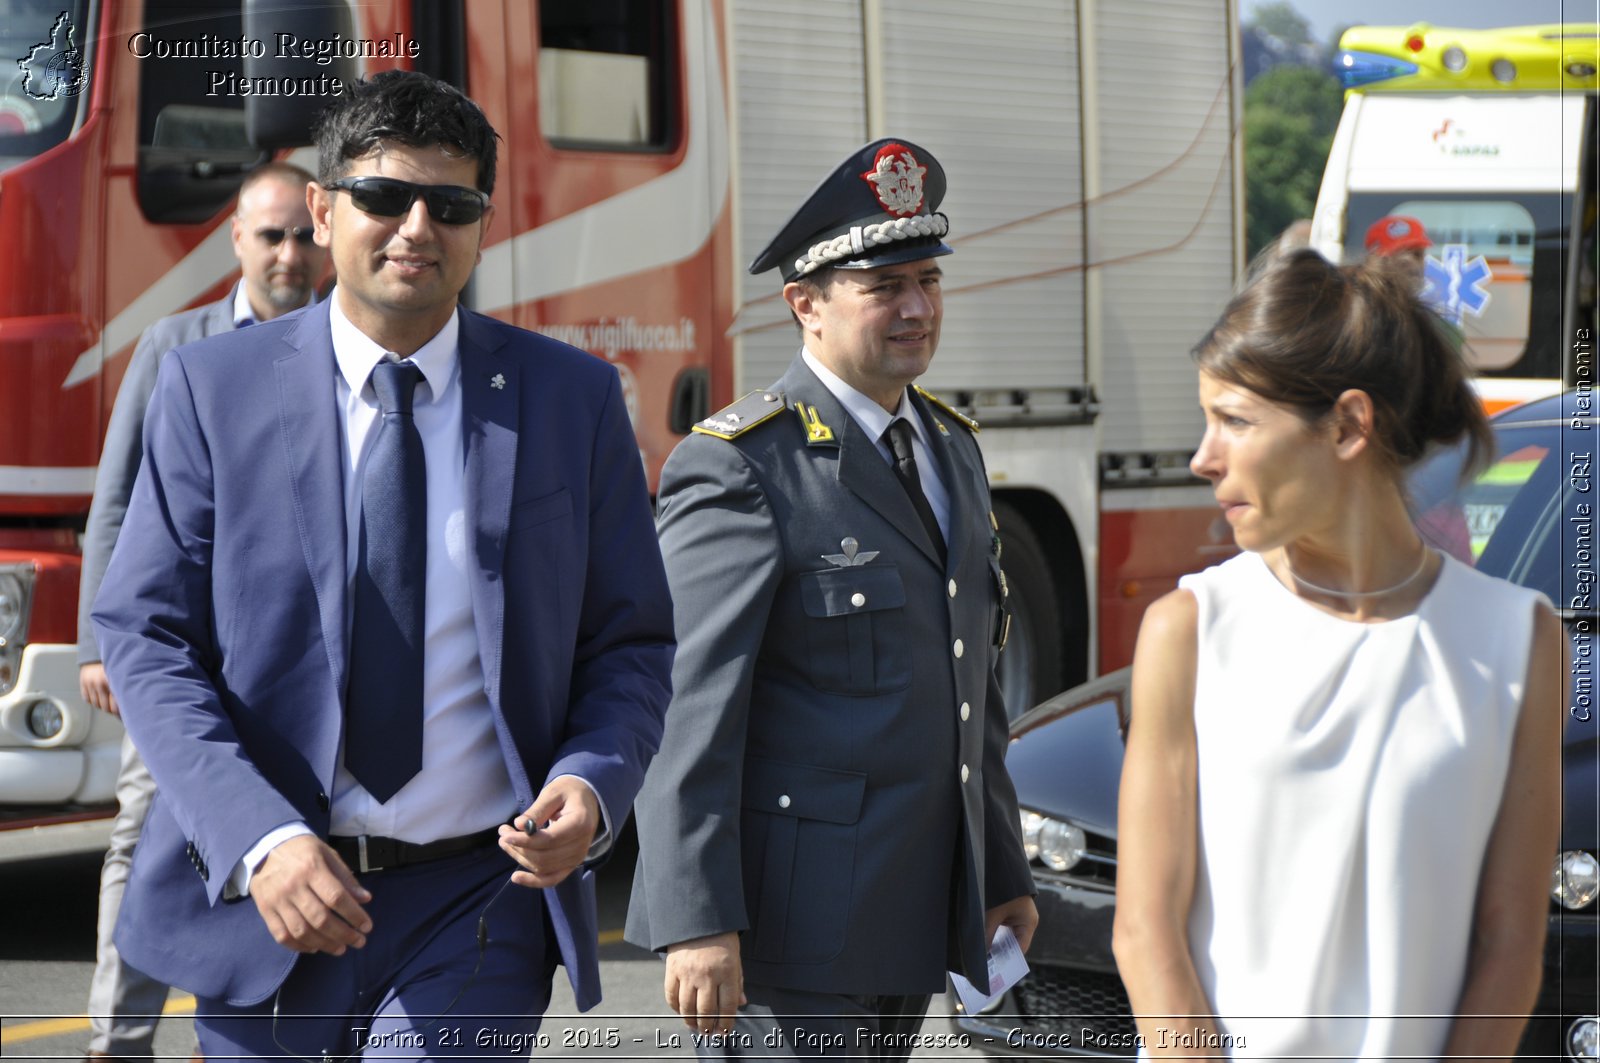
(490, 411)
(315, 449)
(964, 502)
(862, 467)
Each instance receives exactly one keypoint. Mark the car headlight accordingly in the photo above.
(1575, 880)
(45, 719)
(1583, 1038)
(1055, 844)
(13, 606)
(1032, 823)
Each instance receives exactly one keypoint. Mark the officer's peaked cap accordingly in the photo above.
(879, 207)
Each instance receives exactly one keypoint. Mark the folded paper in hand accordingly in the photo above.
(1006, 968)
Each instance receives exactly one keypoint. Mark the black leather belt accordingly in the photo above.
(372, 853)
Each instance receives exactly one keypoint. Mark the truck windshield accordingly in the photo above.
(45, 59)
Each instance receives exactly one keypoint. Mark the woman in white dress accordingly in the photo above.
(1341, 794)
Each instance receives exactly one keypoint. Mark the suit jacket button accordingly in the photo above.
(784, 802)
(952, 588)
(964, 773)
(966, 710)
(858, 599)
(959, 648)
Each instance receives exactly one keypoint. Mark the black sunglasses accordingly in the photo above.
(301, 234)
(389, 198)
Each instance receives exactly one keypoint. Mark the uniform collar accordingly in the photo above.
(873, 418)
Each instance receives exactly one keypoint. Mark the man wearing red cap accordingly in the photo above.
(1402, 238)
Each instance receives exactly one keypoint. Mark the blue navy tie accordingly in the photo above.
(383, 717)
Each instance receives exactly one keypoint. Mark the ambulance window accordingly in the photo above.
(605, 71)
(193, 149)
(1494, 271)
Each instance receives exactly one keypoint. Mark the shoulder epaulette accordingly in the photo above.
(734, 420)
(972, 426)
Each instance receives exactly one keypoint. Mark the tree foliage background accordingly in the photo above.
(1291, 108)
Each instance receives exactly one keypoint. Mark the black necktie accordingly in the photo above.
(383, 718)
(905, 468)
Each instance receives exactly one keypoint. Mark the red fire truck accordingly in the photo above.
(650, 148)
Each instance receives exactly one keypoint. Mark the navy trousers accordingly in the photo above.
(421, 989)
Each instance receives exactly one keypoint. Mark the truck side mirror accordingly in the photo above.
(293, 32)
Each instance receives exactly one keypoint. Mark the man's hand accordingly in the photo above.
(705, 983)
(96, 688)
(310, 901)
(1020, 915)
(566, 817)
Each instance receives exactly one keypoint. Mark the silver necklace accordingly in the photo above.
(1422, 563)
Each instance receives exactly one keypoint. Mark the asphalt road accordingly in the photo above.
(47, 957)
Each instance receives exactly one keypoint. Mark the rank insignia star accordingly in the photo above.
(851, 557)
(498, 382)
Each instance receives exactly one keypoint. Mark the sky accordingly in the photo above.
(1328, 16)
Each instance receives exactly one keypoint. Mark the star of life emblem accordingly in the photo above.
(896, 177)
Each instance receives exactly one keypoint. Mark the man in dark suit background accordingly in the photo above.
(829, 826)
(279, 266)
(388, 580)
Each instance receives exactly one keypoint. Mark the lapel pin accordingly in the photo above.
(498, 382)
(850, 558)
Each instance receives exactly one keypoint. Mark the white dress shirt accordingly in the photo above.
(875, 421)
(463, 786)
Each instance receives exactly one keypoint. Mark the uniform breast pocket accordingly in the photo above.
(856, 629)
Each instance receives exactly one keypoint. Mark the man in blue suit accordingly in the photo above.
(279, 266)
(387, 613)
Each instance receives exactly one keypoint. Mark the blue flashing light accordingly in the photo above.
(1356, 69)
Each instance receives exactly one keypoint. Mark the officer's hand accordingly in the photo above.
(705, 983)
(1020, 915)
(96, 688)
(311, 902)
(567, 815)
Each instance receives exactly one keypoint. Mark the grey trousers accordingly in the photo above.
(791, 1024)
(124, 1004)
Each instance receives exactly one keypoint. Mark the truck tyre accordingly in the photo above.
(1030, 667)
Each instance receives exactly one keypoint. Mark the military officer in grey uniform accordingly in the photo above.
(829, 826)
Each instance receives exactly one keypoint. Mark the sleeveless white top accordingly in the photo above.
(1349, 777)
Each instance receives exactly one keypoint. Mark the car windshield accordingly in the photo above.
(45, 48)
(1528, 517)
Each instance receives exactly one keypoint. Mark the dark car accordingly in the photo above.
(1530, 518)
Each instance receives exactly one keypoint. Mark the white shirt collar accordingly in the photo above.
(866, 412)
(357, 353)
(243, 313)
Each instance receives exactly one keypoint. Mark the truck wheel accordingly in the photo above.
(1030, 667)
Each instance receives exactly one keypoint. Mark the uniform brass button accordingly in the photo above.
(964, 773)
(952, 588)
(966, 710)
(960, 648)
(783, 802)
(858, 599)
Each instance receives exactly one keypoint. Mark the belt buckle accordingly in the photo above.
(375, 857)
